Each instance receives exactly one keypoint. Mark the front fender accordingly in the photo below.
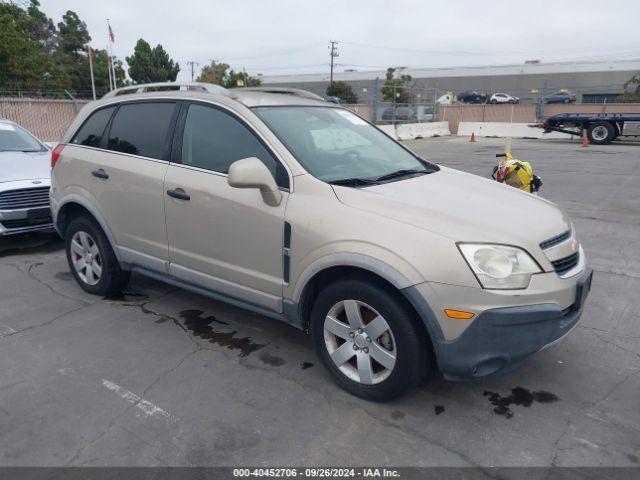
(382, 262)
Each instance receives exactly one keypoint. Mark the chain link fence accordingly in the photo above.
(46, 118)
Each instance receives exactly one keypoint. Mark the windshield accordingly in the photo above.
(335, 145)
(16, 139)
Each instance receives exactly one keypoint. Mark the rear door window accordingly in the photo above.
(92, 130)
(142, 129)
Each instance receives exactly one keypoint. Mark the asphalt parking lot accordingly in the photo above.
(161, 376)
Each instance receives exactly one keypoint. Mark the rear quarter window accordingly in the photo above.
(92, 130)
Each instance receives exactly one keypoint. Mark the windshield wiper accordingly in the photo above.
(402, 173)
(353, 182)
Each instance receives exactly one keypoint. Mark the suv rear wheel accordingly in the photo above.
(369, 339)
(91, 258)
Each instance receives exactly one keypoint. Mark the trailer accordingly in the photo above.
(600, 129)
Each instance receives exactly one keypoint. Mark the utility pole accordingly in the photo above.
(192, 65)
(333, 52)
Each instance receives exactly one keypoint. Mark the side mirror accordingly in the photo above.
(252, 173)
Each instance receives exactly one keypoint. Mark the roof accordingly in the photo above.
(168, 87)
(477, 71)
(250, 97)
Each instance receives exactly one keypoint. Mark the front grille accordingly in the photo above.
(24, 198)
(555, 240)
(24, 222)
(565, 264)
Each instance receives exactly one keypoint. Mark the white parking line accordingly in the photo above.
(144, 405)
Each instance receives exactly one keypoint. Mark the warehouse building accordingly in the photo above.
(593, 82)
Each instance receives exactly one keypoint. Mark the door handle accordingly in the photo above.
(100, 173)
(178, 193)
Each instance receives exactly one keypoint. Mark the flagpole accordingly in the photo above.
(93, 83)
(109, 69)
(113, 69)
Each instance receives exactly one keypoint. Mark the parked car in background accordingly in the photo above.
(561, 97)
(445, 100)
(24, 181)
(335, 100)
(471, 96)
(402, 114)
(503, 98)
(425, 113)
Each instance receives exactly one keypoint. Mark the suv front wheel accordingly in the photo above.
(369, 339)
(91, 258)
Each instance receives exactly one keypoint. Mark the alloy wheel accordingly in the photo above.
(86, 258)
(360, 342)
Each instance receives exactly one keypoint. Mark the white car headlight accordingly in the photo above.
(499, 266)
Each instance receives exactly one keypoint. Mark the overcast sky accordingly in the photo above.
(277, 37)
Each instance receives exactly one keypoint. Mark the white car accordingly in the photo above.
(24, 181)
(445, 100)
(503, 98)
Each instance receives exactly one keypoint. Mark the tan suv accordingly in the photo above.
(302, 211)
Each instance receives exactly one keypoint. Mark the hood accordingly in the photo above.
(462, 207)
(24, 165)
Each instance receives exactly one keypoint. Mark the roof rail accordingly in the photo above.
(168, 86)
(283, 90)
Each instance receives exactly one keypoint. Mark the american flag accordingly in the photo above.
(111, 35)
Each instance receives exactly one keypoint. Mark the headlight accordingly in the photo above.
(499, 266)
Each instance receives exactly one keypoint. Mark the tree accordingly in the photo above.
(26, 63)
(396, 87)
(213, 73)
(343, 91)
(148, 65)
(218, 73)
(73, 36)
(36, 57)
(631, 90)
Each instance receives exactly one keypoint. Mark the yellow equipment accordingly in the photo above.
(516, 173)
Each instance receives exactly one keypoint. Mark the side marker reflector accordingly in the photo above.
(458, 314)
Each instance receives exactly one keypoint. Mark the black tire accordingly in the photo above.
(598, 139)
(494, 102)
(113, 278)
(414, 359)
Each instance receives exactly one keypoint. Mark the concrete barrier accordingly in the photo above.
(409, 131)
(389, 130)
(499, 129)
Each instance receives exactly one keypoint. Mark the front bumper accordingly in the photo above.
(500, 339)
(25, 218)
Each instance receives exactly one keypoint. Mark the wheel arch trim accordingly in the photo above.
(349, 259)
(94, 211)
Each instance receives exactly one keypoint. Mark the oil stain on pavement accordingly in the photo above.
(201, 327)
(305, 365)
(519, 396)
(271, 359)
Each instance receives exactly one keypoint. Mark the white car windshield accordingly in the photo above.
(339, 147)
(16, 139)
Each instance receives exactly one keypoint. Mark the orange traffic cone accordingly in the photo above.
(473, 137)
(585, 140)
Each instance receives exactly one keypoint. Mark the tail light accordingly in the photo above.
(55, 155)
